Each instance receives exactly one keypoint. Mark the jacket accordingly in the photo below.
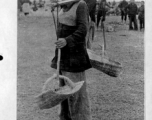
(74, 57)
(123, 4)
(92, 8)
(141, 12)
(132, 9)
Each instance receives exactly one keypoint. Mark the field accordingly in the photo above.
(120, 98)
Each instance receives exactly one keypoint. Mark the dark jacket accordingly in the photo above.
(74, 57)
(103, 8)
(92, 8)
(141, 12)
(123, 4)
(132, 9)
(103, 4)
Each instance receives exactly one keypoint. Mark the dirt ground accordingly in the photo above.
(120, 98)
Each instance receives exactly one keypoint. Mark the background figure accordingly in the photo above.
(132, 11)
(26, 7)
(91, 8)
(123, 4)
(91, 30)
(113, 3)
(34, 6)
(141, 15)
(102, 11)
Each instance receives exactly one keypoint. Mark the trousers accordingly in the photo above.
(132, 19)
(101, 13)
(77, 106)
(142, 23)
(123, 15)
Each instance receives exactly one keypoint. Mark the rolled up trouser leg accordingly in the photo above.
(78, 103)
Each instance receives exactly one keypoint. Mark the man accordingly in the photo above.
(72, 30)
(132, 12)
(141, 15)
(91, 8)
(91, 30)
(123, 4)
(35, 6)
(102, 11)
(113, 3)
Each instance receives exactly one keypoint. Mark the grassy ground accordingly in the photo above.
(111, 98)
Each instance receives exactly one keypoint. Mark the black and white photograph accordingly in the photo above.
(78, 60)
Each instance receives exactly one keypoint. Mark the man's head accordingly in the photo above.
(142, 2)
(132, 1)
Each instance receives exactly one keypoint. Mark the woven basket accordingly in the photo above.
(105, 65)
(51, 98)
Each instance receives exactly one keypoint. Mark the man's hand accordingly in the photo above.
(61, 43)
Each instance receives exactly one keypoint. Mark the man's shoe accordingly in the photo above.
(136, 29)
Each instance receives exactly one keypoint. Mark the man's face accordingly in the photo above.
(142, 2)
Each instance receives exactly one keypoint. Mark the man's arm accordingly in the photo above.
(120, 4)
(108, 5)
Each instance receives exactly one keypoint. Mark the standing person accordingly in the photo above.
(34, 6)
(113, 3)
(123, 4)
(141, 15)
(102, 11)
(91, 30)
(132, 12)
(92, 9)
(19, 6)
(72, 30)
(26, 7)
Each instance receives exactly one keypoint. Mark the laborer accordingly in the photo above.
(123, 4)
(91, 30)
(72, 30)
(132, 12)
(141, 15)
(102, 11)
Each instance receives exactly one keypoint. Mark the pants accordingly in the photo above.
(123, 15)
(132, 19)
(99, 14)
(90, 34)
(142, 23)
(77, 106)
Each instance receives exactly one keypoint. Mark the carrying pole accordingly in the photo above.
(59, 50)
(56, 24)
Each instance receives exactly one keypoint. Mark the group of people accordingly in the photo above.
(132, 11)
(26, 6)
(127, 9)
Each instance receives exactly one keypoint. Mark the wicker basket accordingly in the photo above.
(105, 65)
(51, 98)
